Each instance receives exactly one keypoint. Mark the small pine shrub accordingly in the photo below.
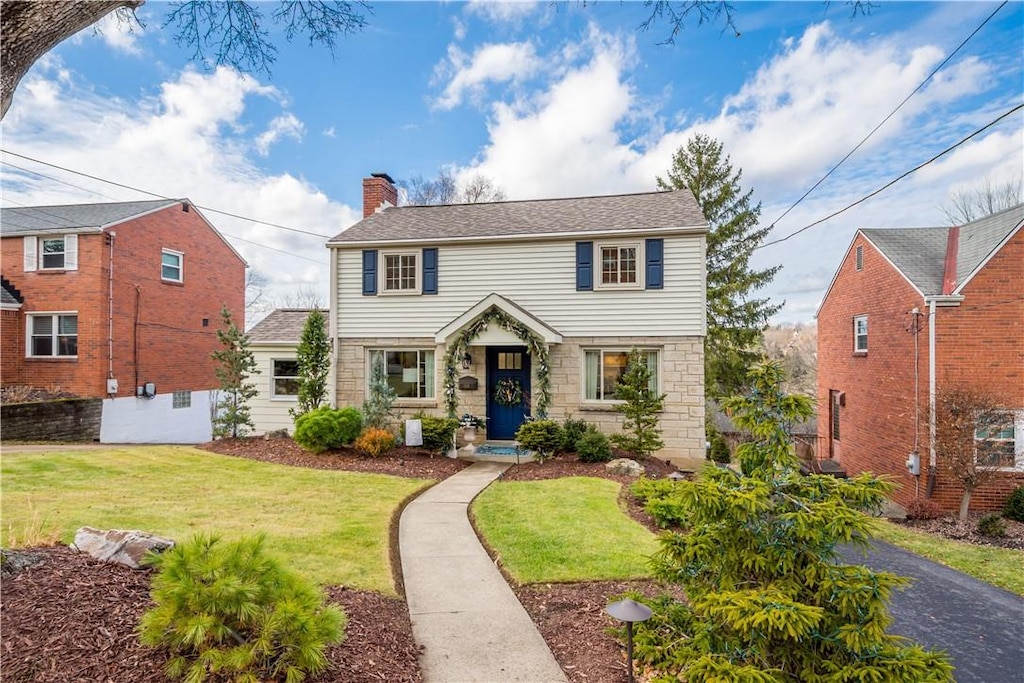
(1014, 506)
(923, 508)
(992, 525)
(543, 437)
(593, 446)
(375, 442)
(719, 451)
(227, 611)
(572, 430)
(438, 432)
(662, 500)
(325, 429)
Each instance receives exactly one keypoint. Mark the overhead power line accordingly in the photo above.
(893, 181)
(890, 115)
(160, 196)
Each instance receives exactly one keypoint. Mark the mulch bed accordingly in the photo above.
(566, 465)
(967, 530)
(71, 618)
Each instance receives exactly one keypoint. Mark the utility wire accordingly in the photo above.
(886, 119)
(160, 196)
(893, 181)
(56, 180)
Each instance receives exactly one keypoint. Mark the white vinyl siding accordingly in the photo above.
(541, 278)
(269, 412)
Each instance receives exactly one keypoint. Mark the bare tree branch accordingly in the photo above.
(986, 199)
(445, 189)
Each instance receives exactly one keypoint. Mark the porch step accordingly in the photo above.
(507, 452)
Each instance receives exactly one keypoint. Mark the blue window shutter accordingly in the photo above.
(430, 271)
(584, 266)
(369, 272)
(655, 249)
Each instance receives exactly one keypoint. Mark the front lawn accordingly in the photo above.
(330, 526)
(569, 529)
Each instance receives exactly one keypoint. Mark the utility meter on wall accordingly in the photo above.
(914, 463)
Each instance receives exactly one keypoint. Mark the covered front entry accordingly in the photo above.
(508, 380)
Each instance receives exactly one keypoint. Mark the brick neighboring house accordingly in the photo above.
(953, 298)
(119, 301)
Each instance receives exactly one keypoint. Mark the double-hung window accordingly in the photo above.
(284, 381)
(171, 266)
(860, 334)
(52, 335)
(409, 372)
(619, 265)
(50, 252)
(999, 442)
(603, 368)
(400, 272)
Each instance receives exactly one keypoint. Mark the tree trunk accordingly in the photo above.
(28, 30)
(965, 503)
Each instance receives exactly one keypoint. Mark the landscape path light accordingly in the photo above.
(629, 611)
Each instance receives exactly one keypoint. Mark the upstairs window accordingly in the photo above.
(50, 253)
(603, 368)
(619, 265)
(1000, 441)
(400, 273)
(285, 379)
(171, 265)
(52, 335)
(860, 334)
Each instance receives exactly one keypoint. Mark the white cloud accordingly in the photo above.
(490, 63)
(121, 35)
(191, 140)
(330, 132)
(286, 125)
(501, 11)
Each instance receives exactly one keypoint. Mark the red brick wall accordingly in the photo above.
(11, 350)
(982, 341)
(173, 346)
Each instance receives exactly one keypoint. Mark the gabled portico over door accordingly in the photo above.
(508, 378)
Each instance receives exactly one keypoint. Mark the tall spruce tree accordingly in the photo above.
(314, 360)
(640, 407)
(235, 366)
(735, 316)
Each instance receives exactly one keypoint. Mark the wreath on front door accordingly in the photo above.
(508, 392)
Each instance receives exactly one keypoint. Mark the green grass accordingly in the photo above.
(330, 526)
(561, 530)
(1000, 567)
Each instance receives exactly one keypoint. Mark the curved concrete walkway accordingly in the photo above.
(469, 622)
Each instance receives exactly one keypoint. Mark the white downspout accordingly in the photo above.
(110, 312)
(332, 324)
(931, 397)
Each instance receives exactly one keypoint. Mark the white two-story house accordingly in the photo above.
(509, 309)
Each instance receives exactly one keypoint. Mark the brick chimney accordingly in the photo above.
(378, 190)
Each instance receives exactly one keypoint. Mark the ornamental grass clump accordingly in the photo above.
(228, 611)
(768, 597)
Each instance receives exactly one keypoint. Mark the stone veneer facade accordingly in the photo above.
(682, 380)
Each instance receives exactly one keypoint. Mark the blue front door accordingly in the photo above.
(508, 376)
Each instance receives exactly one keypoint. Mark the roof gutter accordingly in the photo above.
(520, 237)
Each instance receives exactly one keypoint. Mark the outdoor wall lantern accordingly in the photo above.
(467, 360)
(629, 611)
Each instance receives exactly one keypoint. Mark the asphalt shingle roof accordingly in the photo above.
(676, 209)
(920, 253)
(9, 295)
(281, 325)
(30, 219)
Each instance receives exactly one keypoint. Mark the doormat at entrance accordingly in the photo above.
(509, 451)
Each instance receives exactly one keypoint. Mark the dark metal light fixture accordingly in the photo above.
(629, 611)
(467, 360)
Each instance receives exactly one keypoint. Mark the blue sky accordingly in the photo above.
(549, 100)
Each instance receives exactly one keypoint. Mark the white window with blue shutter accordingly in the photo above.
(620, 264)
(406, 271)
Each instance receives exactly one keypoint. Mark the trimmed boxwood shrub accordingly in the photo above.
(593, 446)
(325, 429)
(438, 432)
(572, 430)
(1014, 507)
(543, 437)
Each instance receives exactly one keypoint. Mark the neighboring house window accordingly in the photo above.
(603, 368)
(860, 257)
(1001, 443)
(860, 334)
(51, 253)
(171, 265)
(410, 373)
(400, 272)
(181, 399)
(285, 380)
(52, 335)
(619, 265)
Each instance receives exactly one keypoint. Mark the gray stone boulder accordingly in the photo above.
(625, 466)
(119, 547)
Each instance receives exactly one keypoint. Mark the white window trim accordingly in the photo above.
(426, 401)
(856, 337)
(641, 264)
(1018, 445)
(614, 349)
(33, 253)
(181, 265)
(383, 275)
(56, 328)
(274, 396)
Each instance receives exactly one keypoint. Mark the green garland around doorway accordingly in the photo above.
(534, 345)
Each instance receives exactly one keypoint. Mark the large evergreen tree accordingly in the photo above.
(735, 316)
(235, 366)
(314, 360)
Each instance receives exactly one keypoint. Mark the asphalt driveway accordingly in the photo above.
(980, 626)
